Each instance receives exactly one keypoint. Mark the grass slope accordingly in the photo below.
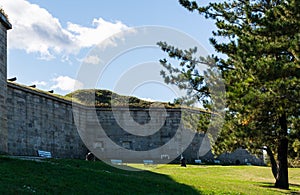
(106, 98)
(82, 177)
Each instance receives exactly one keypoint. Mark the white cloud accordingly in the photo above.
(39, 83)
(65, 83)
(92, 60)
(87, 37)
(37, 31)
(148, 99)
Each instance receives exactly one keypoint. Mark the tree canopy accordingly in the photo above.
(261, 41)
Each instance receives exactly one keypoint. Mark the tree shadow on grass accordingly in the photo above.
(294, 188)
(142, 182)
(82, 177)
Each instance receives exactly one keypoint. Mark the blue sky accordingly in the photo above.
(50, 39)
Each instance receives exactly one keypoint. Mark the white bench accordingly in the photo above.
(148, 162)
(164, 156)
(116, 161)
(217, 161)
(44, 154)
(198, 161)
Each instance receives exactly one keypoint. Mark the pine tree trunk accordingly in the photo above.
(282, 179)
(273, 162)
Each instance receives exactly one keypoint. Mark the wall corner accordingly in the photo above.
(4, 26)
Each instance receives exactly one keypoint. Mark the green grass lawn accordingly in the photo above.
(82, 177)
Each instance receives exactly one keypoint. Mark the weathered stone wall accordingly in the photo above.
(103, 131)
(38, 121)
(4, 26)
(240, 157)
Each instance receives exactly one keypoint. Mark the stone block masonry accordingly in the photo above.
(109, 144)
(40, 121)
(37, 120)
(4, 26)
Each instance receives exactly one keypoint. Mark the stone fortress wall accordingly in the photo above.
(38, 120)
(32, 120)
(4, 26)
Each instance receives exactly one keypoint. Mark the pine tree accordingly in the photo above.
(261, 39)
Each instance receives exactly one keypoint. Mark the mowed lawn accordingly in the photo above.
(229, 179)
(81, 177)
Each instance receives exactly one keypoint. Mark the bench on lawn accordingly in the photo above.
(116, 161)
(148, 162)
(217, 161)
(198, 161)
(44, 154)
